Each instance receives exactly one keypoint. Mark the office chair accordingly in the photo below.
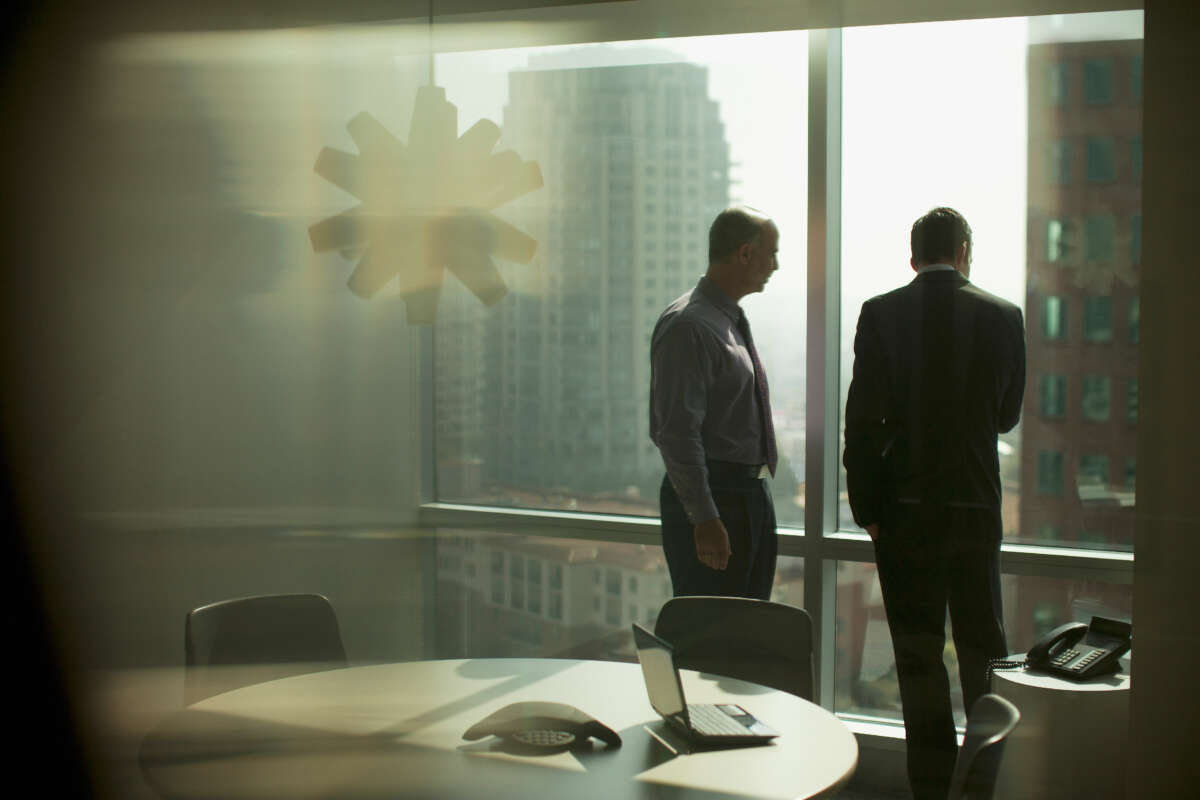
(989, 723)
(752, 640)
(248, 640)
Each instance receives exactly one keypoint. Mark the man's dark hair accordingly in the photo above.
(733, 228)
(938, 235)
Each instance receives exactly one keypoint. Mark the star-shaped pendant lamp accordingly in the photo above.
(426, 206)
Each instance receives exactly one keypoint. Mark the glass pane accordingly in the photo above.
(865, 667)
(1097, 81)
(1054, 318)
(1058, 170)
(485, 613)
(1098, 238)
(1101, 159)
(1054, 395)
(1097, 397)
(1031, 93)
(542, 398)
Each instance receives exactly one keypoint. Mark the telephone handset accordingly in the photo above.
(543, 726)
(1081, 652)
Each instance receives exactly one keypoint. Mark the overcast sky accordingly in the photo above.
(933, 114)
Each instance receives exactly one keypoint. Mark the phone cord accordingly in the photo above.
(1003, 663)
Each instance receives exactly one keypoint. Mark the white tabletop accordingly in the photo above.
(395, 730)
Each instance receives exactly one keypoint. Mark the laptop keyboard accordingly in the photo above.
(711, 721)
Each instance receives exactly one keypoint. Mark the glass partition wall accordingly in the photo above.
(544, 481)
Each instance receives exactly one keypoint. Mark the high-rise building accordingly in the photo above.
(1079, 421)
(636, 165)
(1084, 246)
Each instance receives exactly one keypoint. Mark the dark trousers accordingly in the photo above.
(746, 509)
(928, 561)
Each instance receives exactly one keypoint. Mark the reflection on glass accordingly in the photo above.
(568, 613)
(542, 400)
(864, 664)
(1040, 95)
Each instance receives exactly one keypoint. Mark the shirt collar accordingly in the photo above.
(935, 268)
(713, 294)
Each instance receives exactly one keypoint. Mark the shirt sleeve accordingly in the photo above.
(682, 369)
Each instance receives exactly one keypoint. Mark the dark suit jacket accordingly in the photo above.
(939, 372)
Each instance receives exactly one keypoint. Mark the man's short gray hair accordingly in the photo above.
(733, 227)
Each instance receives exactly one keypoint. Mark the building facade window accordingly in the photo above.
(1054, 396)
(1057, 245)
(1133, 320)
(1058, 167)
(1049, 533)
(1054, 318)
(1093, 470)
(1057, 83)
(1098, 234)
(1050, 472)
(1097, 81)
(1097, 319)
(1131, 400)
(1101, 159)
(1096, 397)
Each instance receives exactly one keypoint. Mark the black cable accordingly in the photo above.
(1004, 663)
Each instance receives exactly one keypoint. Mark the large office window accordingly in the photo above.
(555, 426)
(636, 143)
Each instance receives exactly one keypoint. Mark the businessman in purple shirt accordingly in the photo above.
(710, 417)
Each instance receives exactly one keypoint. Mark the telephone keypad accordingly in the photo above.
(1065, 657)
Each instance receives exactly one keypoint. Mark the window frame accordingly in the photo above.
(820, 542)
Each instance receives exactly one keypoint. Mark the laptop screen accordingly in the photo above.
(658, 668)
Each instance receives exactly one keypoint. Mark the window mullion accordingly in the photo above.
(821, 414)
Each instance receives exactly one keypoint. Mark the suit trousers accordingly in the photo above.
(929, 560)
(746, 509)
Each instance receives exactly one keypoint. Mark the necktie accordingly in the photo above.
(763, 393)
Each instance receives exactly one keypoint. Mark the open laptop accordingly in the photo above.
(699, 722)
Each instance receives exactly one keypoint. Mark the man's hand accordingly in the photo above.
(712, 543)
(873, 531)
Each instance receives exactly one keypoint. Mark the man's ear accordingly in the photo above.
(745, 252)
(912, 262)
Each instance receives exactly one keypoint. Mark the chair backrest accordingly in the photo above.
(251, 639)
(753, 640)
(989, 723)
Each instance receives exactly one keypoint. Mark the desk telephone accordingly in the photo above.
(1081, 652)
(543, 726)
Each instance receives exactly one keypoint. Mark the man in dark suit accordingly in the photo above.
(939, 372)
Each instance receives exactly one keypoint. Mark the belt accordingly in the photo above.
(732, 469)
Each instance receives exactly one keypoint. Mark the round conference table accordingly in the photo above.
(395, 730)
